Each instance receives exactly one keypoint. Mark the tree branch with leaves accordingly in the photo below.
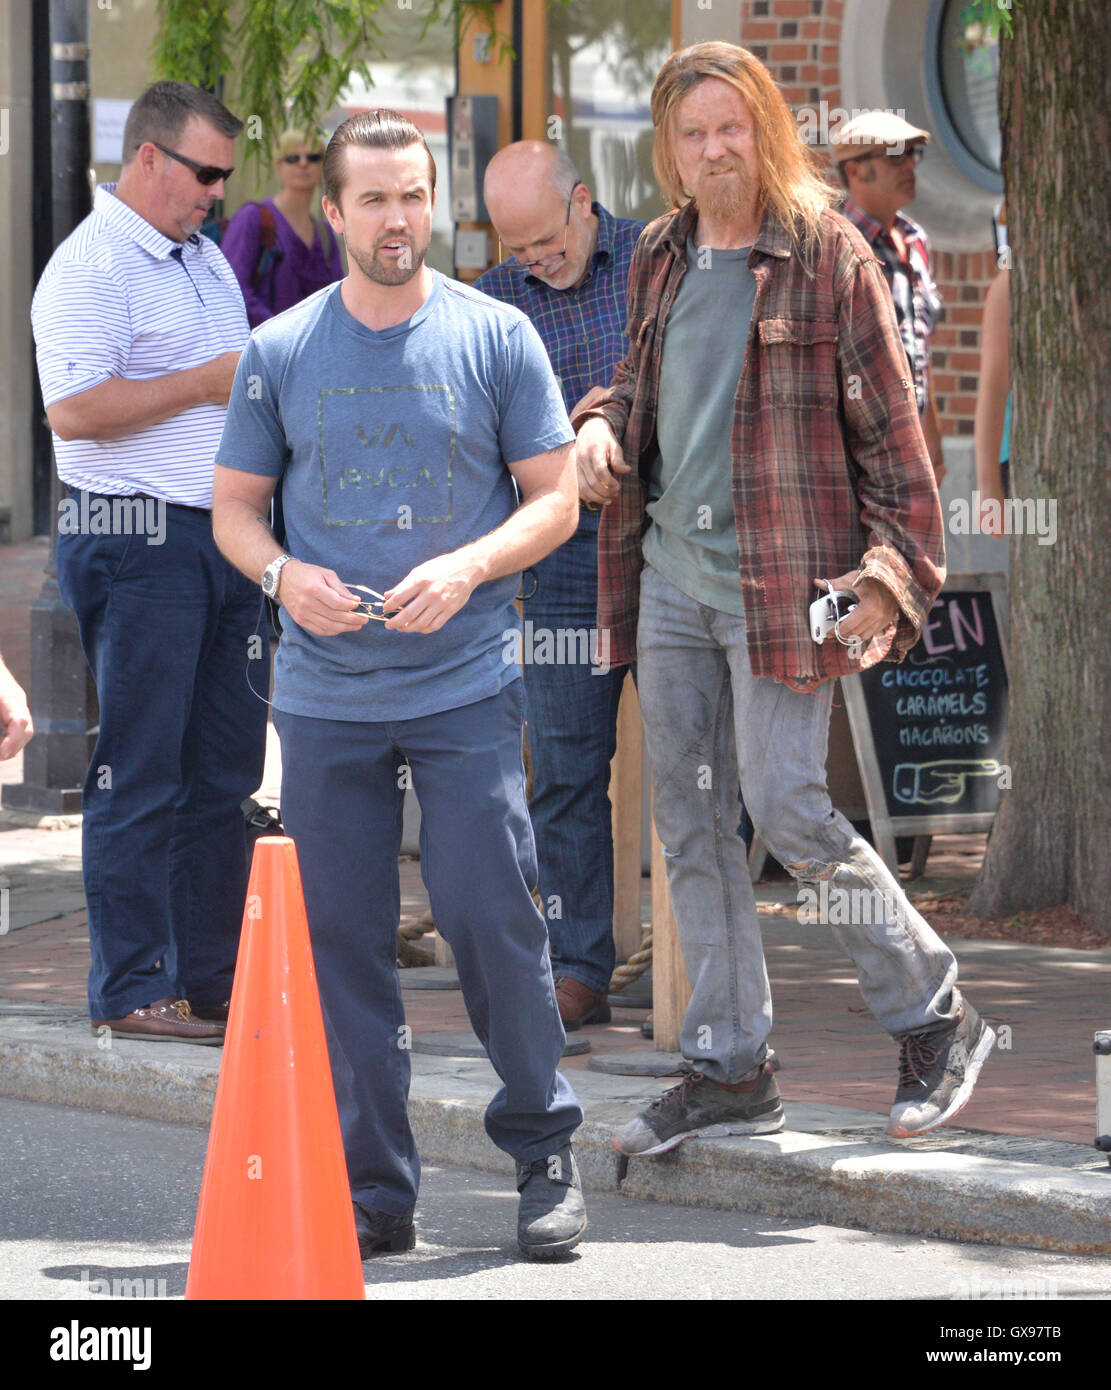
(291, 59)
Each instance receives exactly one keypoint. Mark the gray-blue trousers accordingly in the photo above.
(706, 717)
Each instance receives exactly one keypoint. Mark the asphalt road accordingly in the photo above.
(91, 1198)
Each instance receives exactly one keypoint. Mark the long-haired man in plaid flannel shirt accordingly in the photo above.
(762, 438)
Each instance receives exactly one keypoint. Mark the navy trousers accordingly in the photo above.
(342, 793)
(165, 628)
(572, 714)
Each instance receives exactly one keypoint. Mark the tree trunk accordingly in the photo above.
(1051, 843)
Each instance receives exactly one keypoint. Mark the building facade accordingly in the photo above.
(581, 77)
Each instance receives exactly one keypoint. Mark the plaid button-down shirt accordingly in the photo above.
(582, 328)
(830, 468)
(917, 302)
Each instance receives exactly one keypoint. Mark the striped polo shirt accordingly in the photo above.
(119, 299)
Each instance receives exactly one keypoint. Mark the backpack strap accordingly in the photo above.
(268, 255)
(267, 227)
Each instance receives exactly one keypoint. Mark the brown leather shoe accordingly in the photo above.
(166, 1020)
(215, 1013)
(579, 1004)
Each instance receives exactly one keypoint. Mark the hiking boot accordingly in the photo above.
(699, 1106)
(381, 1234)
(937, 1071)
(551, 1217)
(579, 1004)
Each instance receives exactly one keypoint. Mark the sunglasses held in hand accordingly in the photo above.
(371, 606)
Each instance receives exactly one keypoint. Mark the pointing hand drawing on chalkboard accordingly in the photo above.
(924, 784)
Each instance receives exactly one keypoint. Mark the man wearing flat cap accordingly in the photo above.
(876, 154)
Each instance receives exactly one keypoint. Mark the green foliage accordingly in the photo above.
(994, 17)
(292, 58)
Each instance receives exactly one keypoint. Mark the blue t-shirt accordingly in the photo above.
(393, 448)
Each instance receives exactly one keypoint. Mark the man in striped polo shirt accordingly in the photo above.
(139, 323)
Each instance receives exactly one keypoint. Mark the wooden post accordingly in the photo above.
(479, 73)
(671, 989)
(627, 798)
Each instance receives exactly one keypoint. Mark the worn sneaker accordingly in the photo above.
(937, 1072)
(699, 1106)
(551, 1216)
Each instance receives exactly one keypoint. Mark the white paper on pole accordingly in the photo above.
(109, 116)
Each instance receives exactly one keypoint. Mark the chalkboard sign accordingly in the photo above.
(930, 733)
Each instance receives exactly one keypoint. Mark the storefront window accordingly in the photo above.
(417, 80)
(604, 57)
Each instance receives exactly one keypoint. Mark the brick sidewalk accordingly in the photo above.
(1040, 1083)
(832, 1051)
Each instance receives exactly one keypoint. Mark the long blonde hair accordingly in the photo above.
(790, 181)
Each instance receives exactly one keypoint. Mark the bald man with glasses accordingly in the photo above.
(567, 268)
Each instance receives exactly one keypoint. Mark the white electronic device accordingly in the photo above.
(827, 611)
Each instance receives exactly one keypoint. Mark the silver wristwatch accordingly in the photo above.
(271, 575)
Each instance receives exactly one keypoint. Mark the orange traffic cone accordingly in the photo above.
(275, 1217)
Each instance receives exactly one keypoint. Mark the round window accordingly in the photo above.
(962, 71)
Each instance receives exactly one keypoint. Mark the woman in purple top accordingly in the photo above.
(305, 255)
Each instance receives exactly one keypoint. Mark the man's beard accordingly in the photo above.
(725, 200)
(399, 272)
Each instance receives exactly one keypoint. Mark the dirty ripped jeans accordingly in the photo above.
(706, 719)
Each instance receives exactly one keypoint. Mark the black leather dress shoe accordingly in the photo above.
(382, 1234)
(551, 1218)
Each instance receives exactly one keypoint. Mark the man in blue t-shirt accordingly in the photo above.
(404, 413)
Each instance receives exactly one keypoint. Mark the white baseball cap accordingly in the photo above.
(873, 132)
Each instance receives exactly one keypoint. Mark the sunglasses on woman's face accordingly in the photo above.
(297, 158)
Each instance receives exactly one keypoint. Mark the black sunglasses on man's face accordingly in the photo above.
(206, 174)
(915, 153)
(313, 158)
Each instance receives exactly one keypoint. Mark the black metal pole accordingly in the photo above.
(63, 701)
(42, 245)
(69, 113)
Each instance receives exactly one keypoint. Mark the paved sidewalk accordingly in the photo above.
(1019, 1170)
(1044, 1002)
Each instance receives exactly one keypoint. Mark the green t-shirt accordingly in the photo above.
(692, 538)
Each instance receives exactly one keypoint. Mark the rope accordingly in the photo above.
(635, 966)
(410, 954)
(419, 927)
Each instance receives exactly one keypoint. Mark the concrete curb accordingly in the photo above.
(834, 1165)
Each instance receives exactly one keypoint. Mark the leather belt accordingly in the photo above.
(185, 506)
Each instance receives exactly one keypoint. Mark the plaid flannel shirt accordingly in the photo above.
(917, 302)
(830, 468)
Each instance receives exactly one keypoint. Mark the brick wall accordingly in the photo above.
(800, 42)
